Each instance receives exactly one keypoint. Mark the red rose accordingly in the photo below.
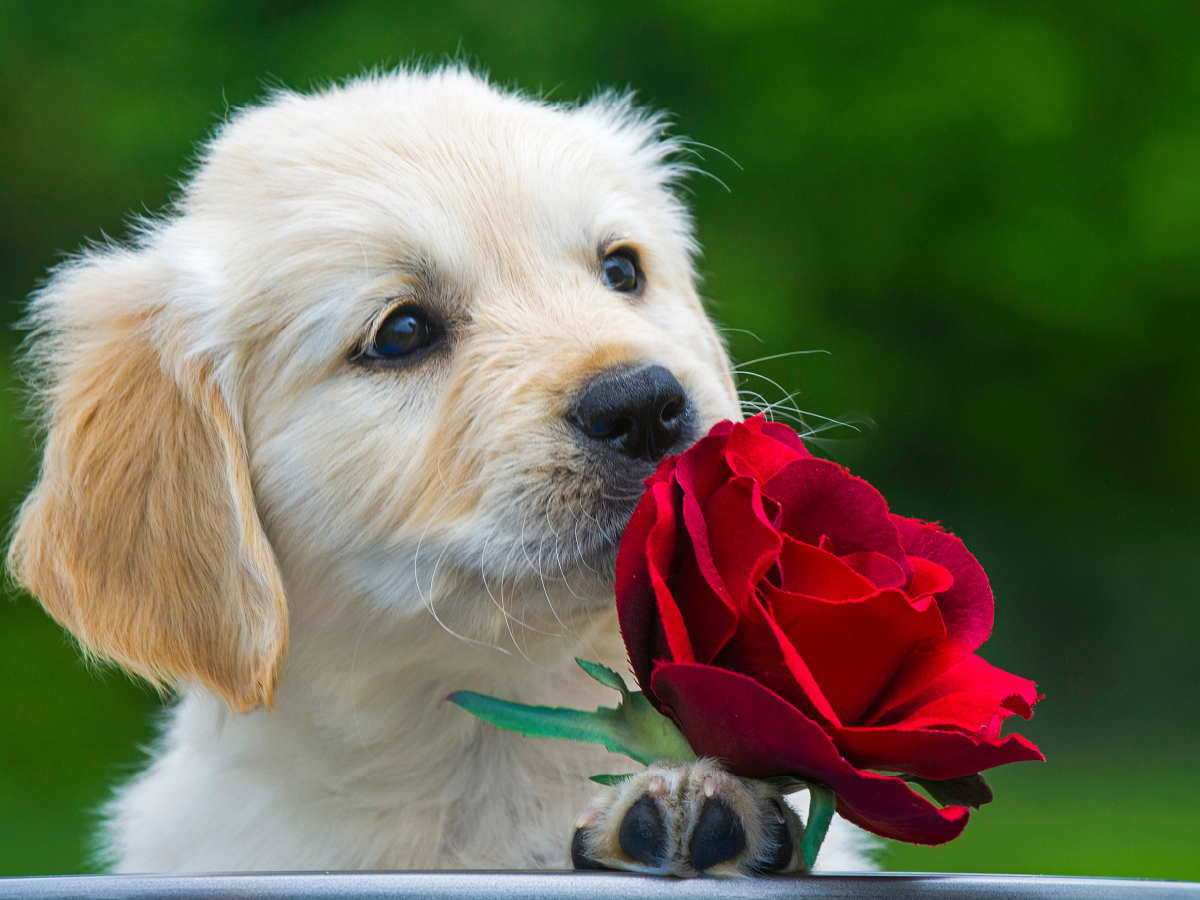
(790, 624)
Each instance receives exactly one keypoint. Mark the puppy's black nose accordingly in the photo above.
(641, 413)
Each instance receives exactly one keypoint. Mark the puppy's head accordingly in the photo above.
(414, 338)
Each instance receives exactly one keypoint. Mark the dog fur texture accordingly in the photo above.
(312, 551)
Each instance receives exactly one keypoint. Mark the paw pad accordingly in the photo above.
(643, 834)
(718, 836)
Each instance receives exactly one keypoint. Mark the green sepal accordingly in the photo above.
(821, 805)
(607, 780)
(969, 790)
(633, 728)
(604, 675)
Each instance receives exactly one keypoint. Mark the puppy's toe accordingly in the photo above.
(686, 820)
(786, 843)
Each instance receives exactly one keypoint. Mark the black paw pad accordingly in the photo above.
(579, 857)
(781, 837)
(643, 836)
(718, 836)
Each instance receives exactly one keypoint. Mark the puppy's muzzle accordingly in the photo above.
(642, 414)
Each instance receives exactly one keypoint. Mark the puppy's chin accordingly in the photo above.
(548, 570)
(606, 504)
(579, 548)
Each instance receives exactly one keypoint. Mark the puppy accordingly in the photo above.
(376, 399)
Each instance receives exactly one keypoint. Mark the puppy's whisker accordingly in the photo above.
(557, 558)
(508, 624)
(428, 602)
(753, 402)
(741, 367)
(688, 143)
(507, 618)
(537, 568)
(771, 381)
(483, 576)
(621, 498)
(727, 330)
(786, 409)
(580, 555)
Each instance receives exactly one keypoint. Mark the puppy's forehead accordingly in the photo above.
(438, 168)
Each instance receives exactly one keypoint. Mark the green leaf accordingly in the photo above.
(604, 675)
(821, 804)
(607, 780)
(634, 728)
(969, 790)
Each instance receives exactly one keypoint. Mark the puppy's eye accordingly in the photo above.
(620, 271)
(405, 332)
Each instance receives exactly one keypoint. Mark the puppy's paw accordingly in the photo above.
(689, 819)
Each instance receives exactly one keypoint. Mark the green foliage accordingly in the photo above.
(988, 213)
(633, 728)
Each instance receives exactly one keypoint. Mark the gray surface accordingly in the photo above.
(583, 885)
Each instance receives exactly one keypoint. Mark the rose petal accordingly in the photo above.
(805, 569)
(752, 452)
(756, 733)
(660, 552)
(928, 753)
(967, 609)
(710, 618)
(666, 468)
(877, 568)
(928, 577)
(637, 604)
(953, 699)
(854, 647)
(700, 474)
(976, 713)
(741, 541)
(821, 499)
(760, 650)
(780, 432)
(702, 469)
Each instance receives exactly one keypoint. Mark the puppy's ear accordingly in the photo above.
(141, 535)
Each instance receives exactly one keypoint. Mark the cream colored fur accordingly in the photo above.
(314, 553)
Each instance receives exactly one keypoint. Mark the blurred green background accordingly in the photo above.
(987, 213)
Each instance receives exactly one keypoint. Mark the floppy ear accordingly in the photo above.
(141, 535)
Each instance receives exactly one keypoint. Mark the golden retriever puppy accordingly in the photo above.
(360, 422)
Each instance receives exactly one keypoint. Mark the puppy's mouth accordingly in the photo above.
(561, 521)
(588, 511)
(616, 497)
(623, 423)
